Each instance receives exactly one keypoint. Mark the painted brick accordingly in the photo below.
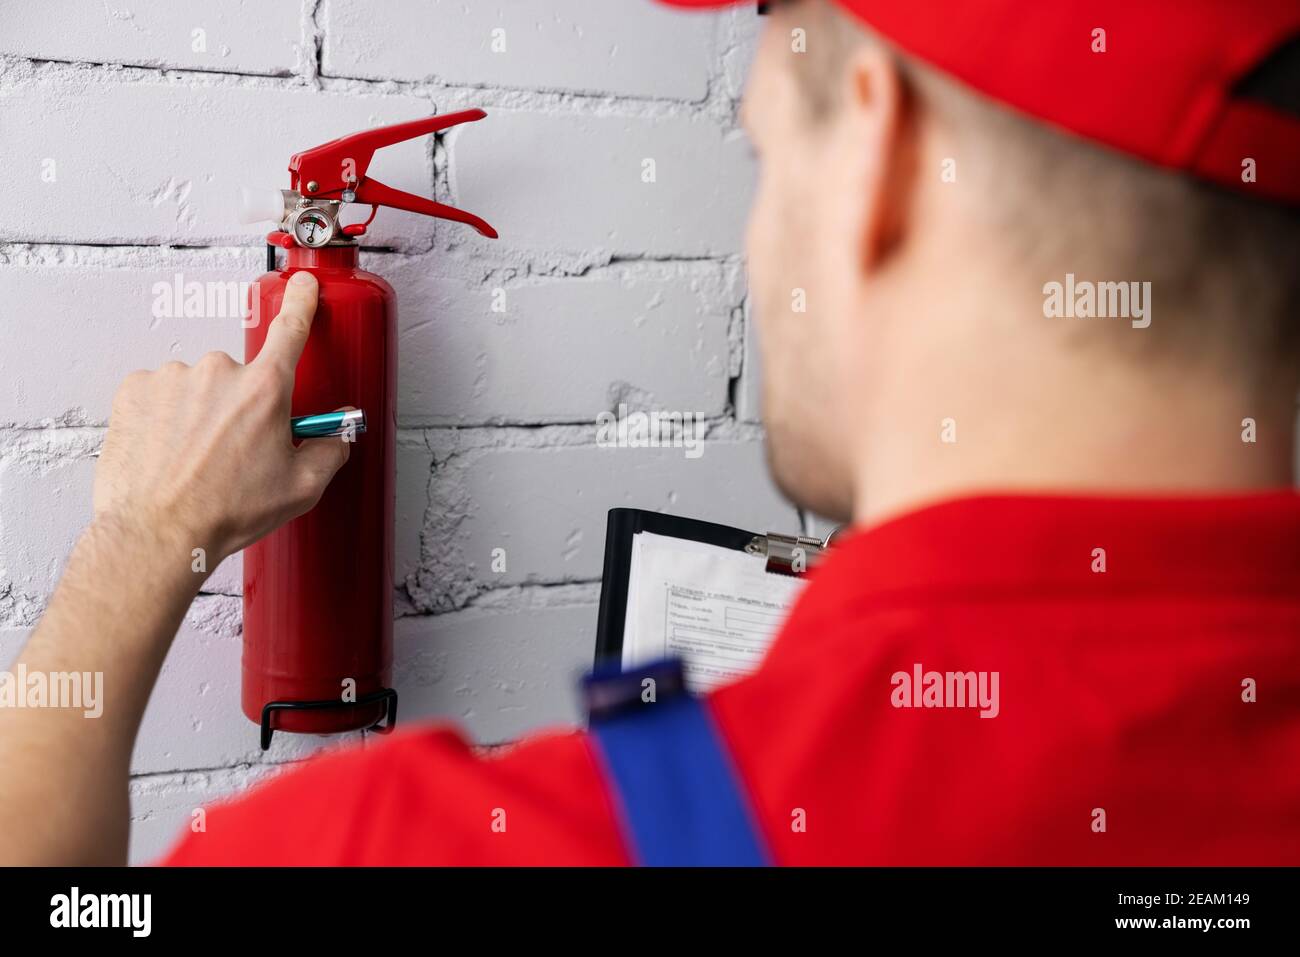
(150, 161)
(741, 34)
(547, 508)
(562, 350)
(496, 675)
(573, 183)
(414, 465)
(237, 36)
(79, 330)
(227, 578)
(163, 808)
(44, 505)
(636, 49)
(749, 395)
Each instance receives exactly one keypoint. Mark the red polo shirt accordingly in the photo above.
(1147, 662)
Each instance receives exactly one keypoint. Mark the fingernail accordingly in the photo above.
(300, 278)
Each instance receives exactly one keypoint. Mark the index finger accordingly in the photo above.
(287, 334)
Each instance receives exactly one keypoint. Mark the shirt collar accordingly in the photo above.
(993, 545)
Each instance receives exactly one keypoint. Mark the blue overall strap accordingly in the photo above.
(682, 804)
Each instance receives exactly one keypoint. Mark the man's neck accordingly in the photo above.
(1078, 425)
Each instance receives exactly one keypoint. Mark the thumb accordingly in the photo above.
(316, 462)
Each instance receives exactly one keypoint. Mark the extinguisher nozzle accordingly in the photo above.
(260, 205)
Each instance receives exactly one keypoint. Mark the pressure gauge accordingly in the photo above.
(312, 227)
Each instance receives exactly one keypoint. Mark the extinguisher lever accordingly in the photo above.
(338, 168)
(367, 141)
(377, 194)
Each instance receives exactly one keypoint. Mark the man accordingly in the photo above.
(1026, 279)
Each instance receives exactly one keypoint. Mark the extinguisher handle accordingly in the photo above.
(377, 194)
(331, 169)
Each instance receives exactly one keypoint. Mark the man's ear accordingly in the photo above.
(878, 123)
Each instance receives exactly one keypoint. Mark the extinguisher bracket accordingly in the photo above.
(384, 725)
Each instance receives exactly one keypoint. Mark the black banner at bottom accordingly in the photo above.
(339, 907)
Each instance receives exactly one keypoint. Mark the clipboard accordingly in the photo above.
(784, 554)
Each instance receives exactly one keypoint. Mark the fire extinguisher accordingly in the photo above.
(318, 592)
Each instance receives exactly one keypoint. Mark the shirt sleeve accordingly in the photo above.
(422, 797)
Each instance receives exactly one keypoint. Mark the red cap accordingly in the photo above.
(1165, 89)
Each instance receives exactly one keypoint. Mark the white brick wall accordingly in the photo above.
(587, 188)
(243, 36)
(125, 130)
(625, 49)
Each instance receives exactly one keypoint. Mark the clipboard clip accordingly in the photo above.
(789, 554)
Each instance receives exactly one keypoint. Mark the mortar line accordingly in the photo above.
(168, 71)
(717, 107)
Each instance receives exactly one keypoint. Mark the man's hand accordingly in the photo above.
(205, 455)
(194, 458)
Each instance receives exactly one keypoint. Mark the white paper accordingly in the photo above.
(715, 608)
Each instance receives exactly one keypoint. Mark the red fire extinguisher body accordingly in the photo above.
(318, 592)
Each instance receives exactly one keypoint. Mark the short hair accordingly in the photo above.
(1228, 262)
